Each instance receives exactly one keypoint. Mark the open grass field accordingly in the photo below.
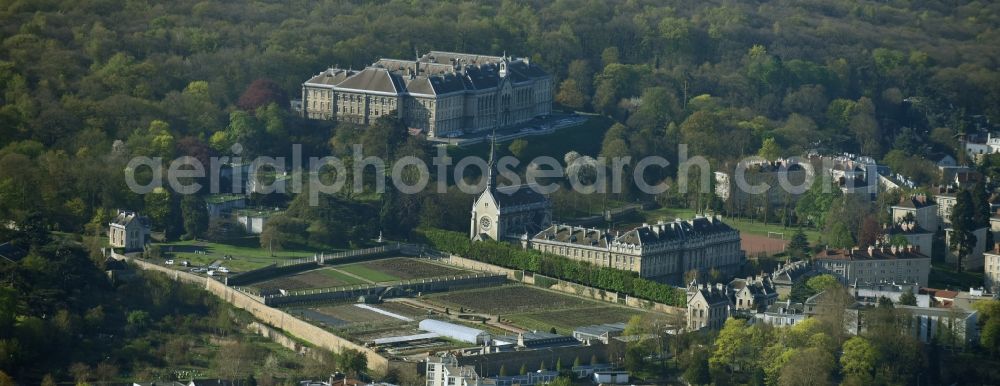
(246, 252)
(565, 321)
(578, 138)
(318, 278)
(509, 299)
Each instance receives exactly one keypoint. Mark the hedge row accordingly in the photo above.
(510, 256)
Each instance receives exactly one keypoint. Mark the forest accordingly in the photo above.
(88, 84)
(85, 85)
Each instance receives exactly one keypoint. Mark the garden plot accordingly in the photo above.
(317, 278)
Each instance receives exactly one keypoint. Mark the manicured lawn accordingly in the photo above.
(367, 273)
(246, 253)
(584, 139)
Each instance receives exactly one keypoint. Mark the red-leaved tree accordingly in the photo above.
(261, 93)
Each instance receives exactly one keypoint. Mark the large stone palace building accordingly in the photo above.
(440, 93)
(662, 251)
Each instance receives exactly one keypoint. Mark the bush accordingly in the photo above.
(510, 256)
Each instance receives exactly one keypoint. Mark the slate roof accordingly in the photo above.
(125, 217)
(713, 295)
(676, 230)
(433, 73)
(576, 235)
(789, 273)
(916, 201)
(871, 253)
(373, 79)
(331, 77)
(517, 195)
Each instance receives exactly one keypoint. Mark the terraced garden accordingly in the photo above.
(508, 299)
(317, 278)
(399, 268)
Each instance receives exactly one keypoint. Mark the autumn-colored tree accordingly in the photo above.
(261, 93)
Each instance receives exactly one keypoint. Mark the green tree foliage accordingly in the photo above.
(798, 246)
(822, 283)
(859, 358)
(908, 298)
(963, 216)
(517, 147)
(769, 150)
(195, 216)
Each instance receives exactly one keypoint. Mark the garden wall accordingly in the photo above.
(566, 287)
(271, 316)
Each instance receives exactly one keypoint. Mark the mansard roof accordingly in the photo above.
(433, 73)
(331, 77)
(675, 230)
(517, 195)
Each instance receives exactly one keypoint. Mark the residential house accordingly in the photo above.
(787, 274)
(754, 294)
(128, 230)
(919, 208)
(915, 235)
(783, 313)
(707, 306)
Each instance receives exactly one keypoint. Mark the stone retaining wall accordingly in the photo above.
(271, 316)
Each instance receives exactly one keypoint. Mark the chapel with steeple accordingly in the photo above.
(508, 212)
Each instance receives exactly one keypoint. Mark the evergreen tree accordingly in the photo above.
(798, 247)
(962, 241)
(908, 298)
(195, 216)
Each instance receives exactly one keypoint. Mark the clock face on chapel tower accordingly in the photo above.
(485, 223)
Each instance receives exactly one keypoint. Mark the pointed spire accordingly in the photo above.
(491, 177)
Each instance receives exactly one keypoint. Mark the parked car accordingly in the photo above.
(211, 273)
(186, 263)
(223, 270)
(197, 270)
(169, 262)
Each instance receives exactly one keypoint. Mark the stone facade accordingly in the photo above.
(922, 209)
(875, 265)
(440, 93)
(708, 306)
(128, 230)
(662, 251)
(991, 269)
(508, 212)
